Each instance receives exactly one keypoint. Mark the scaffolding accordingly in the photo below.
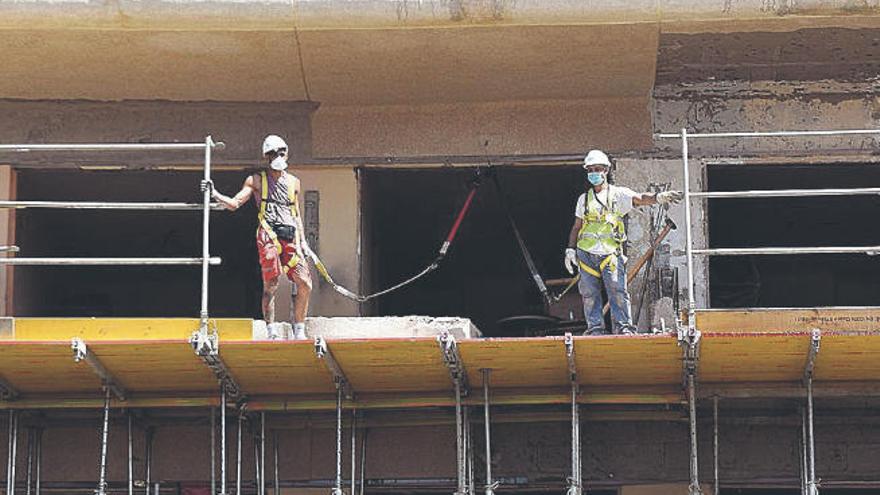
(369, 374)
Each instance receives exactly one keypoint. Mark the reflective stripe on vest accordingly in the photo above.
(601, 225)
(261, 216)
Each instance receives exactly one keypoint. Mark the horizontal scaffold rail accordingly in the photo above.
(25, 148)
(786, 193)
(714, 135)
(870, 250)
(99, 205)
(214, 260)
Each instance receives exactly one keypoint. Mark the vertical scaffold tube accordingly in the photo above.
(222, 438)
(490, 483)
(811, 445)
(238, 455)
(131, 456)
(694, 487)
(10, 425)
(262, 452)
(459, 441)
(277, 478)
(29, 472)
(804, 468)
(716, 486)
(213, 452)
(689, 227)
(206, 224)
(102, 478)
(13, 449)
(353, 450)
(38, 475)
(575, 487)
(148, 460)
(337, 489)
(469, 450)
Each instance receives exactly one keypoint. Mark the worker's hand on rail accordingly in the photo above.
(669, 197)
(571, 261)
(206, 185)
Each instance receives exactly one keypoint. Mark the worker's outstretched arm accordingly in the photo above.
(240, 198)
(663, 198)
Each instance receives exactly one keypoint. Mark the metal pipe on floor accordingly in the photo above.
(490, 483)
(716, 486)
(213, 423)
(214, 260)
(105, 429)
(238, 454)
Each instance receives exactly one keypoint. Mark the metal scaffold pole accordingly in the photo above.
(716, 486)
(459, 442)
(262, 487)
(337, 488)
(102, 479)
(277, 479)
(812, 483)
(206, 225)
(353, 451)
(223, 438)
(38, 475)
(12, 452)
(29, 471)
(131, 455)
(213, 451)
(491, 485)
(576, 479)
(148, 459)
(238, 453)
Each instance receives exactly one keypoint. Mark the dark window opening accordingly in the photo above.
(794, 280)
(131, 291)
(407, 215)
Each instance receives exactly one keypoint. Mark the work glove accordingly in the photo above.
(669, 197)
(571, 261)
(206, 185)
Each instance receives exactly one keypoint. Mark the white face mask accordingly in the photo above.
(279, 163)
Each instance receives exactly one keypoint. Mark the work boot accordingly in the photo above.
(299, 331)
(274, 331)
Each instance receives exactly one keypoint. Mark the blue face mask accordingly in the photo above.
(596, 178)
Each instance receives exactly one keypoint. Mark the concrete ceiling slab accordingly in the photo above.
(377, 67)
(153, 65)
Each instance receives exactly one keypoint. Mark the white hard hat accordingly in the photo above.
(596, 157)
(273, 143)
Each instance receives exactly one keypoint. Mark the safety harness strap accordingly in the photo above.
(609, 261)
(264, 196)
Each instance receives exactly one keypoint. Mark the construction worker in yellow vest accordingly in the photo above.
(280, 236)
(596, 241)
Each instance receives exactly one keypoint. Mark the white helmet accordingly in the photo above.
(596, 157)
(273, 143)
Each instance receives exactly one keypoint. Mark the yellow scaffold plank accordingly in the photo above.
(392, 365)
(45, 368)
(522, 362)
(628, 360)
(155, 366)
(763, 357)
(57, 329)
(758, 320)
(277, 368)
(848, 357)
